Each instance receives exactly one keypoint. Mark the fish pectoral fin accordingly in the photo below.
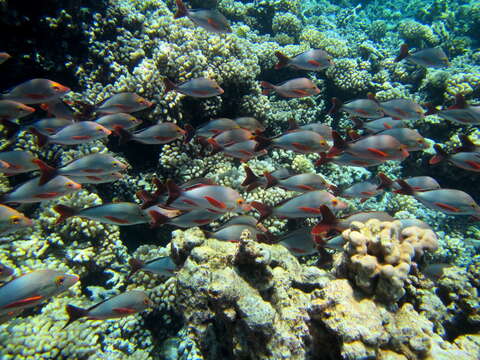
(447, 207)
(124, 311)
(473, 164)
(306, 187)
(47, 195)
(213, 23)
(310, 210)
(24, 302)
(300, 92)
(116, 219)
(313, 62)
(215, 202)
(378, 152)
(81, 137)
(300, 146)
(162, 138)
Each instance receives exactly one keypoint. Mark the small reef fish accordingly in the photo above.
(216, 126)
(5, 271)
(4, 57)
(465, 160)
(161, 133)
(17, 162)
(321, 129)
(123, 120)
(200, 87)
(378, 125)
(299, 182)
(93, 164)
(213, 198)
(48, 126)
(402, 109)
(126, 102)
(431, 57)
(461, 112)
(299, 242)
(435, 271)
(310, 60)
(10, 110)
(32, 192)
(331, 223)
(295, 88)
(366, 189)
(301, 141)
(448, 201)
(244, 150)
(301, 206)
(97, 179)
(57, 108)
(209, 19)
(188, 219)
(250, 123)
(376, 147)
(163, 266)
(125, 304)
(234, 232)
(33, 288)
(346, 159)
(121, 213)
(362, 108)
(230, 137)
(12, 220)
(74, 134)
(36, 91)
(409, 138)
(253, 181)
(419, 183)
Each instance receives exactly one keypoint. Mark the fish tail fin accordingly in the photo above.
(47, 172)
(431, 109)
(339, 144)
(323, 159)
(65, 212)
(292, 124)
(405, 189)
(174, 191)
(403, 53)
(124, 135)
(250, 177)
(11, 128)
(264, 210)
(283, 60)
(146, 198)
(190, 133)
(357, 123)
(467, 144)
(181, 10)
(169, 85)
(328, 222)
(267, 88)
(135, 265)
(336, 105)
(157, 219)
(385, 182)
(74, 313)
(42, 139)
(216, 147)
(263, 143)
(271, 180)
(439, 156)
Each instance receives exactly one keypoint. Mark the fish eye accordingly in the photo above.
(334, 202)
(15, 219)
(146, 301)
(59, 280)
(240, 201)
(69, 184)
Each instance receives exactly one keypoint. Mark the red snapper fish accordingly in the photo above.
(32, 192)
(57, 108)
(323, 130)
(378, 125)
(10, 110)
(216, 126)
(448, 201)
(36, 91)
(402, 109)
(362, 108)
(200, 87)
(465, 160)
(299, 182)
(17, 162)
(295, 88)
(311, 60)
(163, 266)
(367, 189)
(461, 112)
(419, 183)
(253, 181)
(12, 220)
(230, 137)
(197, 217)
(375, 147)
(210, 20)
(125, 304)
(244, 150)
(75, 134)
(93, 164)
(301, 141)
(346, 159)
(96, 179)
(33, 288)
(123, 120)
(121, 213)
(299, 242)
(301, 206)
(126, 102)
(250, 123)
(430, 57)
(161, 133)
(410, 138)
